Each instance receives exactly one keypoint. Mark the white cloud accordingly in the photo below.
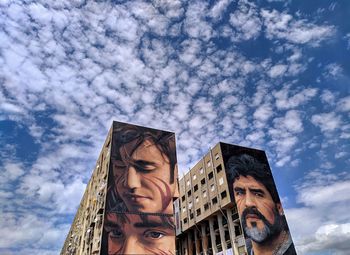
(277, 70)
(327, 122)
(245, 22)
(285, 26)
(286, 101)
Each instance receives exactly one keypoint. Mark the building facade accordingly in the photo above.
(208, 218)
(229, 204)
(127, 207)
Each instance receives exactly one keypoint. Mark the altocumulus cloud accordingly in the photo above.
(240, 72)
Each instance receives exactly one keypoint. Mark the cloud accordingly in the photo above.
(327, 122)
(284, 26)
(324, 203)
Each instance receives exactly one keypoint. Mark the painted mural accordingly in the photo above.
(141, 187)
(259, 206)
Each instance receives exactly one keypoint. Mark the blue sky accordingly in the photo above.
(273, 75)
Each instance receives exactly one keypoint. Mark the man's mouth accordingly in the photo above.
(252, 216)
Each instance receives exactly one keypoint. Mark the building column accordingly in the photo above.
(231, 229)
(204, 240)
(212, 236)
(190, 243)
(196, 242)
(222, 233)
(184, 246)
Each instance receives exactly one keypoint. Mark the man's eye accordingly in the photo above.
(239, 192)
(154, 234)
(259, 194)
(116, 233)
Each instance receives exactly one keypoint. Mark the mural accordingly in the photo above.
(142, 184)
(259, 207)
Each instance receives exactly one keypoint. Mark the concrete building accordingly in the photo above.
(208, 217)
(85, 234)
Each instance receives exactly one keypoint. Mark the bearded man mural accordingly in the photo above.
(141, 187)
(259, 206)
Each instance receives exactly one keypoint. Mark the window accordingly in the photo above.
(203, 181)
(198, 212)
(197, 199)
(223, 194)
(212, 187)
(189, 193)
(195, 188)
(188, 183)
(221, 181)
(208, 163)
(201, 170)
(204, 193)
(183, 198)
(219, 168)
(194, 177)
(210, 175)
(217, 156)
(190, 205)
(206, 206)
(184, 209)
(185, 220)
(191, 216)
(214, 200)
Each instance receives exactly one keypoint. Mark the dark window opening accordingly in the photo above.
(195, 188)
(210, 175)
(203, 181)
(183, 198)
(214, 200)
(223, 194)
(219, 168)
(198, 212)
(189, 193)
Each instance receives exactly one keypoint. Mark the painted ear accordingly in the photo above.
(280, 209)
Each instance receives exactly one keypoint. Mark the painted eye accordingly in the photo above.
(116, 233)
(154, 234)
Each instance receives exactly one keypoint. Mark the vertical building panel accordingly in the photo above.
(142, 185)
(252, 187)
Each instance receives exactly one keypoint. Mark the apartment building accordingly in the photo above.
(208, 219)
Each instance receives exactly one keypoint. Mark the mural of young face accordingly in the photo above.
(142, 179)
(260, 215)
(139, 234)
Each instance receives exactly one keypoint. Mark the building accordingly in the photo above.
(132, 189)
(85, 234)
(208, 216)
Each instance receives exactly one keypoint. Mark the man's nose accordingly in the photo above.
(249, 200)
(133, 178)
(132, 246)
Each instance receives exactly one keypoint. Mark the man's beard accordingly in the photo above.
(267, 232)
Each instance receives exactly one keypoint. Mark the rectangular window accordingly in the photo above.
(214, 200)
(194, 177)
(210, 175)
(183, 198)
(208, 163)
(185, 220)
(206, 206)
(198, 212)
(223, 194)
(203, 181)
(190, 205)
(188, 183)
(217, 156)
(219, 168)
(201, 170)
(184, 209)
(197, 199)
(204, 193)
(221, 181)
(195, 188)
(191, 216)
(212, 187)
(189, 193)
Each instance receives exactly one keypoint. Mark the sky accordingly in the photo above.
(272, 75)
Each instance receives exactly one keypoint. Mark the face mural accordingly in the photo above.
(253, 189)
(140, 234)
(141, 187)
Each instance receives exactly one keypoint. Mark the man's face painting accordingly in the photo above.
(259, 214)
(142, 179)
(131, 234)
